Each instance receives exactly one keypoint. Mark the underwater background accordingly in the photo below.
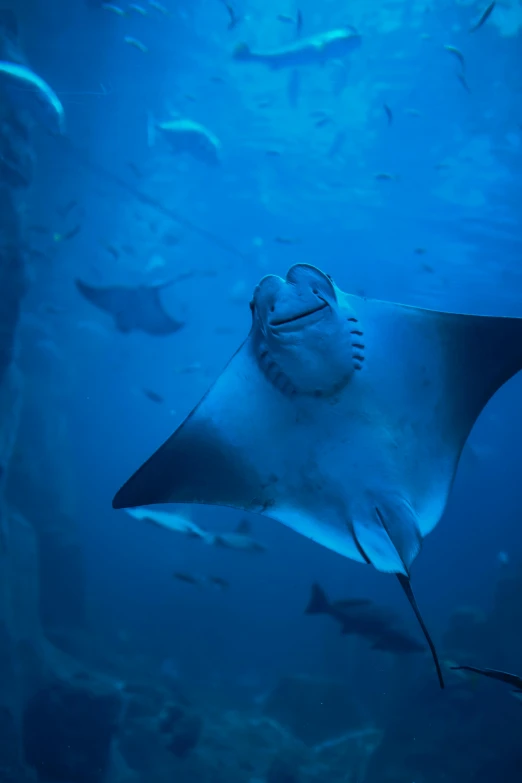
(182, 172)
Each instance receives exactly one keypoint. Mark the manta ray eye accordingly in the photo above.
(251, 305)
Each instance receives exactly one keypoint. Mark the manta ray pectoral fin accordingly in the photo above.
(482, 353)
(211, 459)
(193, 466)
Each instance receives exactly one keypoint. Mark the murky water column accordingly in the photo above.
(19, 619)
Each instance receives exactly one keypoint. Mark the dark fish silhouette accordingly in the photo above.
(74, 231)
(154, 396)
(360, 617)
(483, 18)
(223, 584)
(389, 113)
(241, 539)
(458, 54)
(133, 308)
(64, 211)
(340, 610)
(234, 18)
(184, 576)
(495, 674)
(200, 581)
(462, 80)
(299, 24)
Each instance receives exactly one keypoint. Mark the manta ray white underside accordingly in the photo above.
(341, 417)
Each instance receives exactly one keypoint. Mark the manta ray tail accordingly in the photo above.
(404, 582)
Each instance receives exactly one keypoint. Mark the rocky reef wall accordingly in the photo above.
(25, 665)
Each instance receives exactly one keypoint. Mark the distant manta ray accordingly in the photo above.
(343, 418)
(133, 308)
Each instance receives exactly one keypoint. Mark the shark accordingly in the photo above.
(132, 308)
(339, 416)
(314, 50)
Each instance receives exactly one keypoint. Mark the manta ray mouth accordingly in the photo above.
(299, 316)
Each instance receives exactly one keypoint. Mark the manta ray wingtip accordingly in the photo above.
(117, 502)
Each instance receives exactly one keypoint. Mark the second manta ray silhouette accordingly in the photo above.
(133, 308)
(343, 418)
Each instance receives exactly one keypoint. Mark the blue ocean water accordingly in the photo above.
(394, 167)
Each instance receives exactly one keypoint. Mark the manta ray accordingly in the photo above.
(133, 308)
(341, 417)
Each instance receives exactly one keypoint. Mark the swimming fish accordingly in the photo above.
(187, 136)
(281, 240)
(234, 18)
(341, 417)
(64, 211)
(384, 176)
(133, 308)
(153, 396)
(323, 122)
(483, 17)
(240, 539)
(139, 9)
(200, 581)
(156, 6)
(135, 169)
(74, 231)
(388, 112)
(458, 55)
(340, 610)
(360, 617)
(315, 50)
(299, 23)
(184, 576)
(462, 80)
(219, 582)
(25, 80)
(175, 523)
(136, 44)
(338, 141)
(113, 250)
(510, 679)
(114, 9)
